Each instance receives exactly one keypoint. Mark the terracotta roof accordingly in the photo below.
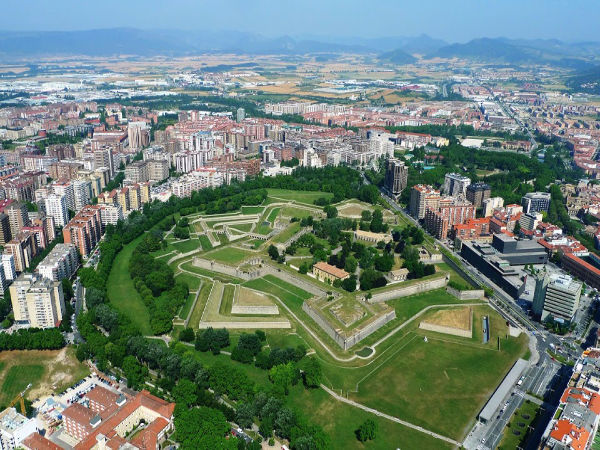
(102, 396)
(568, 433)
(331, 270)
(80, 414)
(36, 441)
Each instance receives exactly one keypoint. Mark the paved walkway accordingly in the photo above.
(392, 418)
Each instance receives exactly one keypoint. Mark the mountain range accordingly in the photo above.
(396, 50)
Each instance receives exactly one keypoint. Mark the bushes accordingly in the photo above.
(213, 340)
(32, 339)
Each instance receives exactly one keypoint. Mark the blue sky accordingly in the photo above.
(452, 20)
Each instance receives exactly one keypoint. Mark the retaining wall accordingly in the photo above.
(404, 291)
(255, 310)
(475, 294)
(446, 330)
(245, 325)
(347, 342)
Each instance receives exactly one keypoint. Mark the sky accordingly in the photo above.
(451, 20)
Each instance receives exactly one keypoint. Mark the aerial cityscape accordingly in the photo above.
(313, 226)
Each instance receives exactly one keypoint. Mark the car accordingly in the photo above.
(483, 440)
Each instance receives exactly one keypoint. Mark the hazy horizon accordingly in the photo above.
(455, 21)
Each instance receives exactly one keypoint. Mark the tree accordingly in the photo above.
(185, 393)
(203, 427)
(367, 431)
(312, 373)
(187, 335)
(349, 284)
(351, 264)
(244, 415)
(304, 267)
(284, 375)
(94, 297)
(134, 371)
(273, 252)
(369, 193)
(331, 211)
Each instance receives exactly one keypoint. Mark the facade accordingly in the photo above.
(490, 204)
(56, 207)
(65, 188)
(451, 211)
(421, 198)
(328, 273)
(23, 248)
(5, 233)
(396, 177)
(137, 171)
(18, 217)
(556, 296)
(84, 230)
(536, 202)
(104, 158)
(477, 193)
(455, 185)
(582, 269)
(62, 262)
(138, 134)
(37, 301)
(158, 170)
(529, 221)
(8, 266)
(110, 214)
(82, 190)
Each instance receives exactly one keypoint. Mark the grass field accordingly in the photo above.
(273, 215)
(48, 371)
(244, 227)
(301, 213)
(284, 291)
(307, 197)
(252, 209)
(455, 318)
(200, 304)
(516, 433)
(192, 281)
(248, 297)
(287, 233)
(187, 306)
(340, 421)
(186, 246)
(228, 255)
(227, 300)
(121, 291)
(205, 242)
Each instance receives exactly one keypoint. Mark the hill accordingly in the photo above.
(397, 56)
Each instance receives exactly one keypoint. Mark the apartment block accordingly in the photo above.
(62, 262)
(23, 249)
(37, 301)
(158, 170)
(137, 171)
(455, 185)
(110, 214)
(477, 193)
(534, 202)
(396, 177)
(84, 230)
(56, 207)
(18, 217)
(450, 212)
(423, 197)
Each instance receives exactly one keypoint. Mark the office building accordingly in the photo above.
(421, 198)
(137, 171)
(396, 177)
(586, 269)
(62, 262)
(240, 115)
(529, 221)
(455, 185)
(519, 253)
(477, 193)
(84, 230)
(534, 202)
(56, 207)
(14, 428)
(37, 301)
(557, 297)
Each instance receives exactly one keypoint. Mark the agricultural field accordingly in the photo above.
(459, 318)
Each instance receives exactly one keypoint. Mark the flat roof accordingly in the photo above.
(502, 390)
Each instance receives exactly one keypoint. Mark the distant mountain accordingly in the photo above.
(397, 57)
(538, 51)
(586, 81)
(422, 44)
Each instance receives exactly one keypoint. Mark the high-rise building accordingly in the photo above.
(158, 170)
(533, 202)
(138, 135)
(556, 296)
(110, 214)
(56, 207)
(5, 233)
(103, 158)
(84, 230)
(529, 221)
(62, 262)
(490, 204)
(82, 190)
(396, 177)
(65, 188)
(23, 248)
(455, 185)
(37, 301)
(137, 171)
(421, 198)
(240, 115)
(8, 266)
(451, 211)
(477, 193)
(18, 217)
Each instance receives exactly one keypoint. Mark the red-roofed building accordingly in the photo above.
(569, 434)
(36, 441)
(581, 269)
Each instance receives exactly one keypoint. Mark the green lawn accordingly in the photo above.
(199, 307)
(192, 281)
(228, 255)
(252, 209)
(18, 377)
(288, 287)
(244, 227)
(290, 211)
(185, 309)
(273, 215)
(186, 246)
(205, 242)
(406, 307)
(121, 292)
(307, 197)
(291, 230)
(341, 420)
(516, 433)
(227, 300)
